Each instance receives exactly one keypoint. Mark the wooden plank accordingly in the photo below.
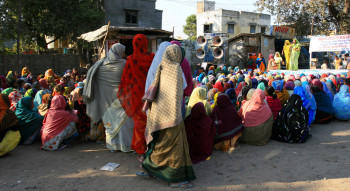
(104, 40)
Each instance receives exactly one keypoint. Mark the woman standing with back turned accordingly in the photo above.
(168, 153)
(132, 88)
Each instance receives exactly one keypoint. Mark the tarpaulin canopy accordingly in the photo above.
(101, 32)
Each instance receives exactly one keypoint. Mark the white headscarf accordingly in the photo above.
(115, 53)
(278, 58)
(155, 63)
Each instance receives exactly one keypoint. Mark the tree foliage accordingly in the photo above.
(190, 29)
(66, 19)
(326, 14)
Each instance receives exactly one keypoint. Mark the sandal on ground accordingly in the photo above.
(61, 147)
(143, 174)
(184, 184)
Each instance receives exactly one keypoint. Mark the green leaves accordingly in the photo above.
(190, 28)
(327, 14)
(58, 18)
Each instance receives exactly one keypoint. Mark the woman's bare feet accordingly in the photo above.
(141, 158)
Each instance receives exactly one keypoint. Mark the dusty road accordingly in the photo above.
(322, 163)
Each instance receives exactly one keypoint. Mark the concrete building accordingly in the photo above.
(133, 13)
(210, 20)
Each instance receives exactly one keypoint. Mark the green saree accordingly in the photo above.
(168, 155)
(295, 55)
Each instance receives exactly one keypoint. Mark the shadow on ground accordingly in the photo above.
(322, 163)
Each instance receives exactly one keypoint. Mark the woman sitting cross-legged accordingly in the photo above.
(341, 103)
(324, 111)
(257, 120)
(200, 132)
(273, 101)
(227, 122)
(30, 122)
(198, 95)
(9, 134)
(58, 124)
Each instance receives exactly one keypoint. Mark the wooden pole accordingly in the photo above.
(104, 40)
(173, 32)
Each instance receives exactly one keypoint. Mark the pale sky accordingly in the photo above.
(175, 12)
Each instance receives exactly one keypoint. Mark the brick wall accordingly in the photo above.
(38, 64)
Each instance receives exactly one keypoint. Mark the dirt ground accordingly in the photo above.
(322, 163)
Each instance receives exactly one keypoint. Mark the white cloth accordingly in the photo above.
(119, 128)
(53, 143)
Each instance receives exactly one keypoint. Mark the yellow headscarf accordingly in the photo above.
(10, 76)
(25, 70)
(215, 100)
(248, 81)
(286, 47)
(198, 95)
(48, 73)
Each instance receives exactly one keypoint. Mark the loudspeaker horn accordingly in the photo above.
(218, 53)
(200, 53)
(201, 41)
(217, 41)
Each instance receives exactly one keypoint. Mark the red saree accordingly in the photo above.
(132, 89)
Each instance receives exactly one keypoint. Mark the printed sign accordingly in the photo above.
(330, 43)
(204, 65)
(283, 32)
(207, 35)
(309, 71)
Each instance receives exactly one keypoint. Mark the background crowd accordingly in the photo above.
(153, 105)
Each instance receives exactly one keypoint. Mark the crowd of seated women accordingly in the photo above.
(41, 108)
(229, 105)
(215, 110)
(226, 106)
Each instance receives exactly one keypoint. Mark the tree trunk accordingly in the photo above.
(41, 42)
(341, 17)
(82, 57)
(345, 23)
